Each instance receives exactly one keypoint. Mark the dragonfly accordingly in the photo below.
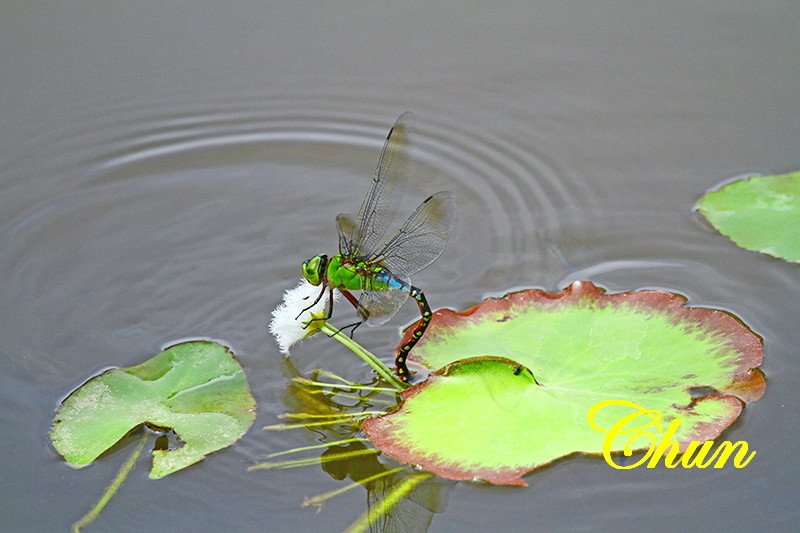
(381, 268)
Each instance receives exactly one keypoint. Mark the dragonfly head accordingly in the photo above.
(314, 269)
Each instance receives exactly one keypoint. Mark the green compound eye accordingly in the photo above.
(312, 269)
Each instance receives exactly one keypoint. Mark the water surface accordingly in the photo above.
(165, 169)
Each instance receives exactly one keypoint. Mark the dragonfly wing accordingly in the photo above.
(422, 238)
(347, 235)
(381, 305)
(375, 212)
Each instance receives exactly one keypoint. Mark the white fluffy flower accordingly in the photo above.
(286, 326)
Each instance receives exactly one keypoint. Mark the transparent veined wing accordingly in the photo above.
(422, 238)
(382, 305)
(375, 212)
(348, 231)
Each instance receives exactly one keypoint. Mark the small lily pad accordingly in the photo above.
(761, 214)
(198, 389)
(518, 376)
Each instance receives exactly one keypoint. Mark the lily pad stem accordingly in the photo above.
(364, 354)
(112, 489)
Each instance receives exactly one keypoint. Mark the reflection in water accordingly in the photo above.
(413, 501)
(154, 188)
(398, 498)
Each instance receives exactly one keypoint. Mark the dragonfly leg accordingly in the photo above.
(328, 307)
(354, 326)
(315, 302)
(329, 314)
(363, 313)
(416, 335)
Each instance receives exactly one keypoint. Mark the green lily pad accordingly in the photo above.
(761, 214)
(198, 389)
(519, 375)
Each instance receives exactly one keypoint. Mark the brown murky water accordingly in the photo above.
(165, 169)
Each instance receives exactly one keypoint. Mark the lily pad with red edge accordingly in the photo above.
(761, 214)
(519, 374)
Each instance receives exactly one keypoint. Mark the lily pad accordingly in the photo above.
(519, 375)
(761, 214)
(198, 389)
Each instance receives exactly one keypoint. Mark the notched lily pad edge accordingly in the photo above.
(377, 428)
(147, 425)
(746, 383)
(164, 348)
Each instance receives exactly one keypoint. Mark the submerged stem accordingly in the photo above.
(391, 499)
(331, 422)
(354, 397)
(112, 489)
(328, 373)
(319, 499)
(307, 416)
(316, 447)
(311, 460)
(351, 386)
(364, 354)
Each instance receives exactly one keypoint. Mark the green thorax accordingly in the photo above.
(344, 273)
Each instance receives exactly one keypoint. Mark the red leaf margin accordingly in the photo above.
(747, 383)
